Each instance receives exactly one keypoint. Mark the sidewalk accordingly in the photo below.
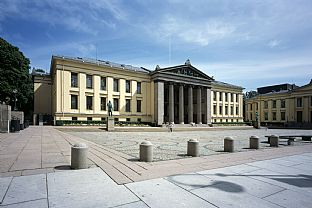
(34, 172)
(282, 182)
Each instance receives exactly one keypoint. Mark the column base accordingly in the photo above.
(200, 123)
(182, 122)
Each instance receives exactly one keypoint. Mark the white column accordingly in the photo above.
(199, 109)
(190, 104)
(181, 104)
(171, 103)
(159, 103)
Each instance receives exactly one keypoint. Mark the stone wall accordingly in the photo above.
(5, 117)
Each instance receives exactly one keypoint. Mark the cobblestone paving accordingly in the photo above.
(168, 146)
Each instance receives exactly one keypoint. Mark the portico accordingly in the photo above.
(182, 95)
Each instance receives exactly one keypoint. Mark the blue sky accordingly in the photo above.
(248, 43)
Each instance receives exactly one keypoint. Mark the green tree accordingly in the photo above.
(15, 77)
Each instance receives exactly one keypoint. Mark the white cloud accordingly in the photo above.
(274, 43)
(201, 33)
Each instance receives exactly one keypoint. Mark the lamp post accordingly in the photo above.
(15, 91)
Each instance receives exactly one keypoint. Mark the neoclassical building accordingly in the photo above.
(79, 89)
(282, 105)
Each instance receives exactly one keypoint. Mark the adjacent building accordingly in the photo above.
(281, 105)
(79, 89)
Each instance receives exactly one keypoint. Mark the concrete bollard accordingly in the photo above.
(146, 151)
(228, 144)
(254, 142)
(274, 141)
(79, 156)
(193, 148)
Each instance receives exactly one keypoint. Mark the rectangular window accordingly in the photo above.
(250, 116)
(89, 118)
(232, 98)
(103, 119)
(220, 96)
(236, 98)
(139, 119)
(274, 104)
(283, 104)
(74, 79)
(232, 110)
(128, 105)
(266, 104)
(283, 116)
(299, 102)
(266, 116)
(89, 83)
(89, 100)
(226, 97)
(116, 85)
(214, 96)
(74, 101)
(214, 109)
(116, 119)
(220, 110)
(103, 83)
(226, 110)
(236, 110)
(74, 119)
(116, 104)
(139, 88)
(273, 116)
(128, 119)
(103, 103)
(139, 102)
(256, 106)
(128, 86)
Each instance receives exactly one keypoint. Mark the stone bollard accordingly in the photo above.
(146, 151)
(254, 142)
(228, 144)
(193, 148)
(274, 141)
(79, 156)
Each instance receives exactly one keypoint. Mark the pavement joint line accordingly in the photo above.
(47, 186)
(21, 202)
(6, 190)
(283, 189)
(125, 185)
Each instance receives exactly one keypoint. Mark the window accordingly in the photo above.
(250, 116)
(116, 104)
(214, 96)
(116, 85)
(220, 96)
(139, 119)
(236, 110)
(103, 103)
(89, 118)
(226, 120)
(266, 116)
(89, 102)
(232, 98)
(214, 109)
(74, 79)
(250, 106)
(74, 101)
(115, 119)
(266, 104)
(274, 104)
(283, 116)
(139, 102)
(236, 98)
(226, 110)
(89, 81)
(139, 87)
(299, 102)
(103, 83)
(74, 119)
(128, 87)
(232, 110)
(103, 119)
(128, 105)
(128, 119)
(220, 109)
(282, 103)
(226, 97)
(273, 116)
(256, 106)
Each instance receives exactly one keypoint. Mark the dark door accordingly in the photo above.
(299, 116)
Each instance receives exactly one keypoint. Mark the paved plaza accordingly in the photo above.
(34, 170)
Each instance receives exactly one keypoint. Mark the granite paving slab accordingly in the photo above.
(4, 185)
(41, 203)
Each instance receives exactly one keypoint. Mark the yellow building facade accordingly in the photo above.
(79, 89)
(292, 107)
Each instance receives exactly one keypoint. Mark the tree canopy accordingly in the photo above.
(15, 79)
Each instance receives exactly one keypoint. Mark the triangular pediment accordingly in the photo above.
(184, 70)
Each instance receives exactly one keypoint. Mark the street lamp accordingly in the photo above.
(15, 91)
